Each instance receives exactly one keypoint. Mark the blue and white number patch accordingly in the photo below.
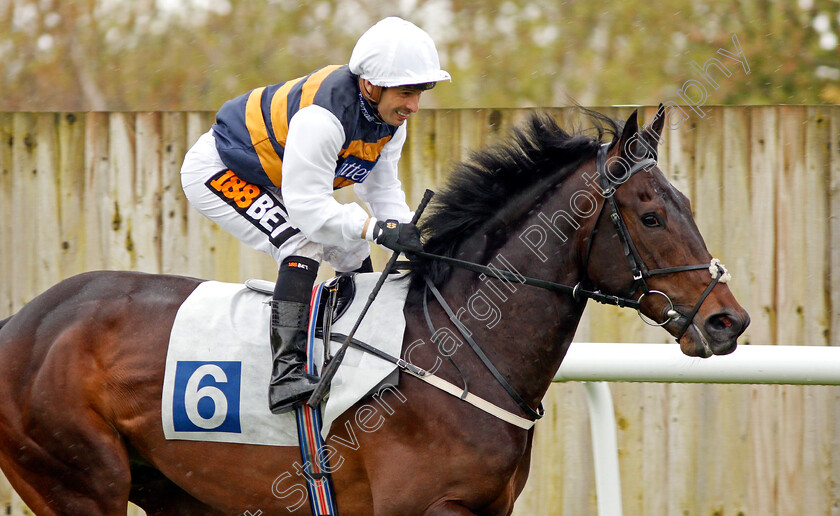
(206, 396)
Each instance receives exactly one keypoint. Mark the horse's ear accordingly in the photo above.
(652, 133)
(628, 142)
(658, 122)
(637, 145)
(631, 127)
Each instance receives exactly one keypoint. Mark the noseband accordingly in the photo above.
(635, 261)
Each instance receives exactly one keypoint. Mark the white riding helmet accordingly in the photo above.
(395, 52)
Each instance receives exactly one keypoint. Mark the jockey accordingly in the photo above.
(267, 169)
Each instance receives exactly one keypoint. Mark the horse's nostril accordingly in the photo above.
(723, 323)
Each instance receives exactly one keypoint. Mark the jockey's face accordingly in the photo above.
(398, 103)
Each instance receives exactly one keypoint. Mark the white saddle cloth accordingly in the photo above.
(218, 365)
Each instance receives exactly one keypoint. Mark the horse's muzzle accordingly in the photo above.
(717, 334)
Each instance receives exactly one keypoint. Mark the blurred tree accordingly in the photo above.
(195, 54)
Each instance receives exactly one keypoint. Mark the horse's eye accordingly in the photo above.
(650, 220)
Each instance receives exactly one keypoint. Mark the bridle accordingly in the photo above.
(637, 265)
(639, 270)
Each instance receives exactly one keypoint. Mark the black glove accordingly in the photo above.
(397, 236)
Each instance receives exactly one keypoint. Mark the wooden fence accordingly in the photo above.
(101, 190)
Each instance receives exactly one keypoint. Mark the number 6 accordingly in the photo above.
(192, 395)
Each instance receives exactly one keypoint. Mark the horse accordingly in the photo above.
(80, 397)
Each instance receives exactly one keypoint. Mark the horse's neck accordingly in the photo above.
(525, 330)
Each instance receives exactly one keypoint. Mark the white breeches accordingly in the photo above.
(253, 214)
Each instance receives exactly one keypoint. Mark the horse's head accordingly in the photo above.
(644, 244)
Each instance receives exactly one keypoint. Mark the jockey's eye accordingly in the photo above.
(650, 220)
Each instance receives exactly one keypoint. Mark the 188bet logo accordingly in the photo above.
(207, 397)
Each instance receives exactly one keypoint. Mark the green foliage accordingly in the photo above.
(193, 55)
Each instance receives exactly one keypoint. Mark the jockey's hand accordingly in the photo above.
(398, 236)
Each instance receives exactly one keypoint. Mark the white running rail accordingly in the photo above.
(596, 363)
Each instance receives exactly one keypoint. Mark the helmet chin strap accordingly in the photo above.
(372, 93)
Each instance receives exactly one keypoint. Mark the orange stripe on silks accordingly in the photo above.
(364, 150)
(279, 111)
(310, 87)
(280, 123)
(255, 123)
(341, 182)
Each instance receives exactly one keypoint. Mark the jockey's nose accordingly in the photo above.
(413, 103)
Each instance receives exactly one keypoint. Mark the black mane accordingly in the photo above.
(499, 183)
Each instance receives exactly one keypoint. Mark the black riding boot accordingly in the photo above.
(290, 385)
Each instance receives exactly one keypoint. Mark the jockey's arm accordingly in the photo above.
(309, 160)
(382, 190)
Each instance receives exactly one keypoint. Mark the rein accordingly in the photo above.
(638, 269)
(577, 291)
(436, 381)
(536, 414)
